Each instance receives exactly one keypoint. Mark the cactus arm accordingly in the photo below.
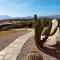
(54, 27)
(44, 31)
(53, 32)
(48, 30)
(39, 26)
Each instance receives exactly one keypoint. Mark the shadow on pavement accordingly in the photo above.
(55, 52)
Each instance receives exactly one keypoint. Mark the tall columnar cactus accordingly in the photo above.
(35, 17)
(39, 27)
(38, 31)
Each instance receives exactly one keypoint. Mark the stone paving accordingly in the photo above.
(48, 52)
(11, 52)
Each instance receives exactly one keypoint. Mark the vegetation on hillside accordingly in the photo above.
(24, 23)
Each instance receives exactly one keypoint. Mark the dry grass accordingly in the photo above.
(7, 32)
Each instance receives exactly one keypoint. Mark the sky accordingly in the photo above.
(24, 8)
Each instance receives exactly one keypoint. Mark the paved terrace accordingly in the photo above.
(11, 51)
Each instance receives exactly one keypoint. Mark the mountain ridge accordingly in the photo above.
(3, 17)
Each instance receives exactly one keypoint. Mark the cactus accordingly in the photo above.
(39, 31)
(34, 55)
(39, 27)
